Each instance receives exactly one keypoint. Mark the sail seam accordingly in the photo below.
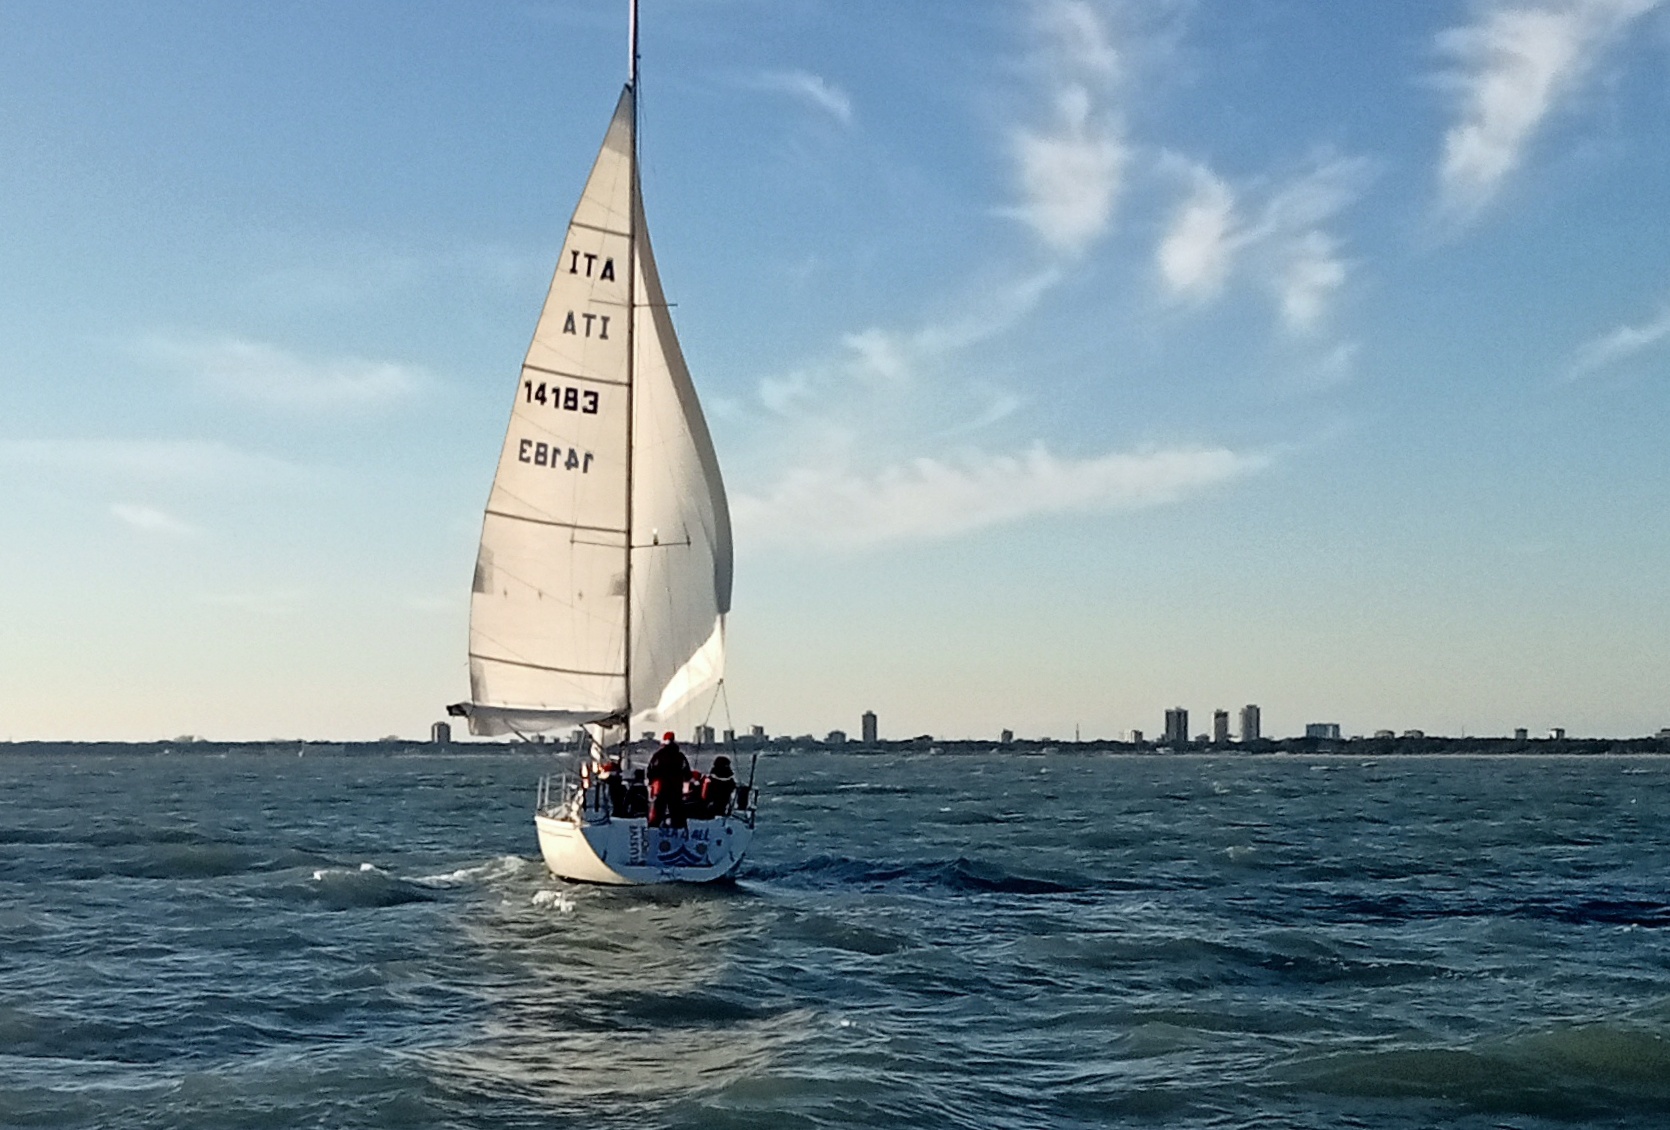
(544, 667)
(550, 522)
(572, 376)
(596, 228)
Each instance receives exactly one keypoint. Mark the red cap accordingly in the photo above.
(667, 737)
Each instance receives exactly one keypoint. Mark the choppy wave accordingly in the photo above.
(362, 887)
(1570, 1073)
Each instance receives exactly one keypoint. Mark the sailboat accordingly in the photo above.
(604, 572)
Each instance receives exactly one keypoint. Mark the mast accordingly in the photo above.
(631, 340)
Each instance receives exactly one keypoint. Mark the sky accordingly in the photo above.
(1067, 360)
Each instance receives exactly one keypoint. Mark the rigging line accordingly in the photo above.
(720, 693)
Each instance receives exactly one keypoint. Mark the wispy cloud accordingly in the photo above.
(1287, 247)
(891, 360)
(1195, 254)
(814, 91)
(150, 520)
(1620, 345)
(926, 498)
(1511, 69)
(150, 461)
(266, 374)
(1071, 168)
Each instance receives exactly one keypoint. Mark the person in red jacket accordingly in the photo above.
(668, 770)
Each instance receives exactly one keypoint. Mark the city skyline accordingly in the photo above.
(1064, 358)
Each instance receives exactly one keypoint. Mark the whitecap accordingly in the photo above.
(561, 901)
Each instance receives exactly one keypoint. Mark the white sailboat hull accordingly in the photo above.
(624, 851)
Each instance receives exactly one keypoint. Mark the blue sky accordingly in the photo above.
(1067, 360)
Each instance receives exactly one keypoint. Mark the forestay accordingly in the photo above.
(604, 572)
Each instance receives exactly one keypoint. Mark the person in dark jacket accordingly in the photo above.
(615, 787)
(718, 787)
(668, 770)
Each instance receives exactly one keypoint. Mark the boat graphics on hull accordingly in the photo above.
(626, 850)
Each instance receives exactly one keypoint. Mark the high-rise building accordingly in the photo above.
(1250, 731)
(1220, 727)
(704, 735)
(1521, 734)
(757, 733)
(836, 737)
(867, 726)
(1136, 737)
(1177, 726)
(1328, 730)
(1006, 737)
(440, 734)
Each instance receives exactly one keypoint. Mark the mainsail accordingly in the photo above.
(604, 572)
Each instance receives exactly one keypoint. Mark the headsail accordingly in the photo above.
(605, 564)
(681, 525)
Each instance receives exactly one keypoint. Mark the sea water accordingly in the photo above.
(218, 938)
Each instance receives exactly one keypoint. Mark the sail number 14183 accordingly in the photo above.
(542, 454)
(570, 398)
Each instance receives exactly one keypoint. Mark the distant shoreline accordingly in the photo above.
(1335, 747)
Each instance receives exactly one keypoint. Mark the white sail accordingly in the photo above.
(681, 526)
(605, 564)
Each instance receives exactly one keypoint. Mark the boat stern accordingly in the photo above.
(626, 850)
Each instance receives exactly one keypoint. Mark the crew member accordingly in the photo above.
(668, 770)
(614, 787)
(718, 787)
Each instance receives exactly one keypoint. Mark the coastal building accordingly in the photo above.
(1558, 733)
(1177, 726)
(757, 733)
(730, 737)
(1250, 723)
(1521, 734)
(440, 734)
(1006, 737)
(1328, 730)
(704, 735)
(1385, 733)
(867, 727)
(836, 737)
(1220, 727)
(1136, 737)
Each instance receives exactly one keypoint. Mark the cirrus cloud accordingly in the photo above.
(1620, 345)
(811, 89)
(150, 520)
(1071, 169)
(267, 374)
(1512, 68)
(1286, 246)
(929, 499)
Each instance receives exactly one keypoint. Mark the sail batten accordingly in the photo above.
(603, 576)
